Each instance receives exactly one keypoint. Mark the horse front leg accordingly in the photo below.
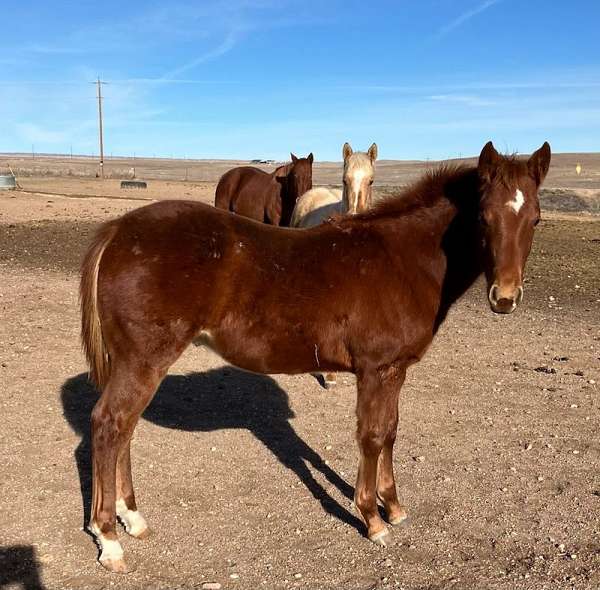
(386, 484)
(377, 419)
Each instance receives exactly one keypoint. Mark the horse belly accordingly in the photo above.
(269, 352)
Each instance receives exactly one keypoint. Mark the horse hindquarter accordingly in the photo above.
(225, 191)
(251, 193)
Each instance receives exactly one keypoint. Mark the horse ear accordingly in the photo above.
(294, 159)
(372, 153)
(539, 162)
(487, 161)
(346, 151)
(310, 158)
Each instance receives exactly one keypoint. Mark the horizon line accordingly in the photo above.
(133, 157)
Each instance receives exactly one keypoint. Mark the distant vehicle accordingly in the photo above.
(258, 161)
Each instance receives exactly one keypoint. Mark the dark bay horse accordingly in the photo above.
(269, 198)
(368, 298)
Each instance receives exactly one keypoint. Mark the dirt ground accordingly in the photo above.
(247, 480)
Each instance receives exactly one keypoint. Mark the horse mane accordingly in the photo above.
(446, 180)
(455, 182)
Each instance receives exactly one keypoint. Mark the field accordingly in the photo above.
(247, 480)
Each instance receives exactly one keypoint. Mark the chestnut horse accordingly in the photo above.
(269, 198)
(175, 272)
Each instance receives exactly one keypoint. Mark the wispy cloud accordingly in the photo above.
(464, 17)
(166, 80)
(464, 99)
(222, 48)
(172, 23)
(445, 90)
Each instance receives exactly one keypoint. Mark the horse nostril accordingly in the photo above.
(519, 295)
(492, 294)
(504, 305)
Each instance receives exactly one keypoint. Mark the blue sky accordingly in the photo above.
(260, 78)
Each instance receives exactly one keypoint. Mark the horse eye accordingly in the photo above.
(371, 181)
(537, 220)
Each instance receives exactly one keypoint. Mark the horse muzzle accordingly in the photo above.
(505, 299)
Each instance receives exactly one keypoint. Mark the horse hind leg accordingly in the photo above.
(272, 212)
(113, 419)
(127, 512)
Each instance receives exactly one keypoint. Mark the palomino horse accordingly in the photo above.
(269, 198)
(321, 203)
(175, 272)
(318, 204)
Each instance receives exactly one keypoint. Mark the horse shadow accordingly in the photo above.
(214, 400)
(19, 567)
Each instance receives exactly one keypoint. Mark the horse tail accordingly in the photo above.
(91, 328)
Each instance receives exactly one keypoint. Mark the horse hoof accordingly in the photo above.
(134, 523)
(401, 519)
(115, 565)
(147, 532)
(382, 538)
(330, 381)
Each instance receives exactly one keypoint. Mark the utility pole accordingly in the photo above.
(100, 132)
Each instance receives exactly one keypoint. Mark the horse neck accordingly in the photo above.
(289, 197)
(443, 225)
(287, 208)
(462, 245)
